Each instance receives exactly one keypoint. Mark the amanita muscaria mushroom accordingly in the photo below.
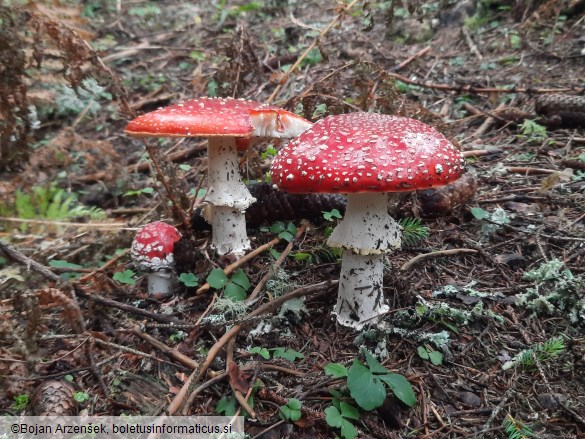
(229, 124)
(365, 155)
(153, 252)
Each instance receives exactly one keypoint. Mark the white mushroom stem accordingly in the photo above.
(229, 230)
(160, 282)
(228, 196)
(360, 299)
(365, 233)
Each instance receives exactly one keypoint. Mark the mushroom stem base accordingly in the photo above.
(360, 298)
(229, 230)
(228, 196)
(160, 282)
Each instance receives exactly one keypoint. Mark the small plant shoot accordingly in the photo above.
(125, 277)
(234, 288)
(340, 415)
(291, 411)
(189, 279)
(332, 215)
(286, 232)
(366, 384)
(431, 355)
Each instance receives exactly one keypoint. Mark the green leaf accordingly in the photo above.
(333, 214)
(333, 417)
(436, 358)
(217, 279)
(80, 396)
(286, 235)
(275, 254)
(184, 167)
(234, 292)
(479, 213)
(292, 410)
(401, 388)
(374, 365)
(336, 395)
(294, 404)
(287, 354)
(285, 412)
(263, 352)
(226, 406)
(277, 227)
(366, 389)
(451, 326)
(241, 279)
(348, 430)
(320, 110)
(125, 277)
(63, 264)
(335, 370)
(349, 411)
(189, 279)
(422, 352)
(302, 256)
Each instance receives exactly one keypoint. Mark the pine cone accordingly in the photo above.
(562, 110)
(54, 398)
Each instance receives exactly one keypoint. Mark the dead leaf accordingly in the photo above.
(549, 182)
(10, 273)
(237, 378)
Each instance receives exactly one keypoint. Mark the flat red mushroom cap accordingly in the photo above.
(366, 152)
(153, 246)
(209, 117)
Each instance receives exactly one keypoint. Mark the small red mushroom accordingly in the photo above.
(365, 155)
(229, 124)
(153, 252)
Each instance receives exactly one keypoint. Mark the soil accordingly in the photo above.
(501, 271)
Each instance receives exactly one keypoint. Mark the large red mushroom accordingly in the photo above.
(365, 155)
(229, 124)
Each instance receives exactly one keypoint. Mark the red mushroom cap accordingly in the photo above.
(366, 152)
(153, 246)
(209, 117)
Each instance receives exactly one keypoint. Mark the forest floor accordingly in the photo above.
(505, 309)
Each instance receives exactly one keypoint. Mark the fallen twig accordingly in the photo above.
(175, 354)
(471, 43)
(529, 171)
(419, 258)
(28, 262)
(410, 59)
(125, 307)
